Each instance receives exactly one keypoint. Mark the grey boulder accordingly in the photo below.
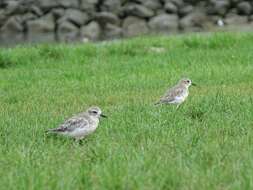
(113, 6)
(138, 10)
(196, 19)
(12, 26)
(165, 23)
(134, 26)
(171, 7)
(67, 32)
(91, 31)
(112, 31)
(75, 16)
(219, 7)
(42, 29)
(244, 8)
(49, 4)
(234, 19)
(107, 17)
(88, 6)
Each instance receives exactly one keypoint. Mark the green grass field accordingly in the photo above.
(206, 144)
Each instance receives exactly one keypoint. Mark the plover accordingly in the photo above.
(80, 125)
(177, 94)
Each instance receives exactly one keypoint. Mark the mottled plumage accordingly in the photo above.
(80, 125)
(177, 94)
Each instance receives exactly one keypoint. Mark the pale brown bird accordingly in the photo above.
(80, 125)
(177, 94)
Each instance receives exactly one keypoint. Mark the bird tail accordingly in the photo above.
(157, 103)
(49, 131)
(56, 130)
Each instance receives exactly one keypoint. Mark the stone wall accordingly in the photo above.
(81, 20)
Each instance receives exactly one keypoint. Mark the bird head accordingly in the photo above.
(186, 82)
(95, 112)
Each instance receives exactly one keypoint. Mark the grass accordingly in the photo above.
(206, 144)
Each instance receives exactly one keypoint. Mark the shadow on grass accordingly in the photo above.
(65, 140)
(51, 52)
(6, 61)
(196, 114)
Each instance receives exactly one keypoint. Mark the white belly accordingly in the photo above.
(180, 99)
(81, 132)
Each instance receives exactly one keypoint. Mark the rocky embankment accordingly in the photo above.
(81, 20)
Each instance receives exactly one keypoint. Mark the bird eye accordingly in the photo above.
(188, 81)
(94, 112)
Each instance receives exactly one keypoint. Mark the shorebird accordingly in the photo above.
(177, 94)
(80, 125)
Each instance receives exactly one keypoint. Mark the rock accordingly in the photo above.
(91, 31)
(68, 3)
(49, 4)
(77, 17)
(251, 18)
(186, 10)
(41, 30)
(58, 12)
(67, 27)
(14, 7)
(178, 3)
(12, 31)
(160, 12)
(219, 7)
(233, 19)
(3, 17)
(42, 25)
(67, 31)
(201, 4)
(170, 8)
(232, 11)
(195, 19)
(28, 16)
(89, 6)
(134, 26)
(164, 23)
(244, 8)
(235, 2)
(107, 17)
(192, 2)
(152, 4)
(12, 26)
(90, 1)
(186, 22)
(36, 10)
(113, 6)
(11, 7)
(138, 10)
(112, 31)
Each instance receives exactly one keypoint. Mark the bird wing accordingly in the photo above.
(172, 94)
(72, 124)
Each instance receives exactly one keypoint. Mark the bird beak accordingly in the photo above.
(194, 84)
(102, 115)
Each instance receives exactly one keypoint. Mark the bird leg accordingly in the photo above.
(178, 106)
